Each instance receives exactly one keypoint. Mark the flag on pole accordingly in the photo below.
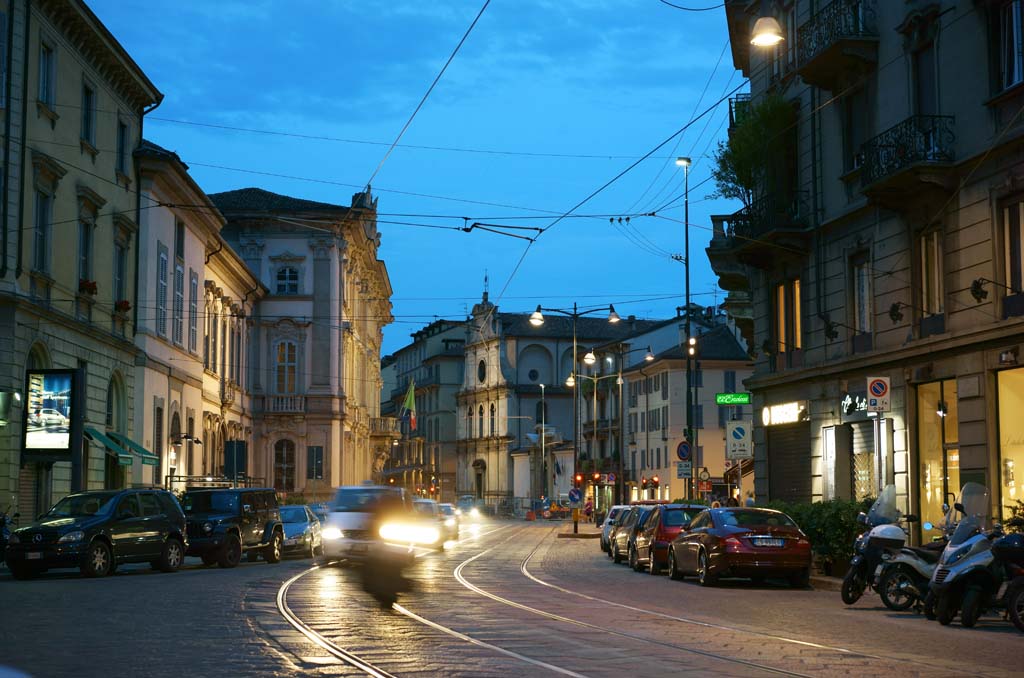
(409, 405)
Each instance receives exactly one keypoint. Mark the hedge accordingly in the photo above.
(831, 526)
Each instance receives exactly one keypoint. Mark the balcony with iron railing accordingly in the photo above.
(837, 43)
(739, 108)
(759, 234)
(385, 426)
(732, 274)
(914, 154)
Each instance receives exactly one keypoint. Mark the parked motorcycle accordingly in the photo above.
(967, 567)
(885, 533)
(5, 530)
(1010, 550)
(902, 579)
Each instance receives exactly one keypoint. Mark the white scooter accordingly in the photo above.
(902, 580)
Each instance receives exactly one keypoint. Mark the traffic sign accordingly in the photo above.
(683, 451)
(732, 398)
(611, 478)
(737, 440)
(575, 496)
(878, 394)
(703, 485)
(684, 469)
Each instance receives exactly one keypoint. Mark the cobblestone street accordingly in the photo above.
(514, 600)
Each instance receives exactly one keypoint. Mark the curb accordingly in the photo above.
(822, 583)
(581, 535)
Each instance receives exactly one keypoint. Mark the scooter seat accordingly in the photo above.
(925, 554)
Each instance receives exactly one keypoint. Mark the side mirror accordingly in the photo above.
(960, 507)
(862, 518)
(945, 508)
(927, 526)
(911, 518)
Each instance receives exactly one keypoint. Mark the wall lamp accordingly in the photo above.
(895, 314)
(979, 292)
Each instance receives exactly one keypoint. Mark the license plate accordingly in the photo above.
(34, 555)
(768, 542)
(290, 542)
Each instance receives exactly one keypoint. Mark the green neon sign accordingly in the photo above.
(732, 398)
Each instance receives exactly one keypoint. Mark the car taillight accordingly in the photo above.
(733, 543)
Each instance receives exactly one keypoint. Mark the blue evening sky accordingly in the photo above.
(549, 99)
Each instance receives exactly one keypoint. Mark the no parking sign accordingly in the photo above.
(878, 394)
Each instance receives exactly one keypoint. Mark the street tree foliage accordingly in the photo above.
(753, 161)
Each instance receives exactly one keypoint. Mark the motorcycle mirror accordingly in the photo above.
(959, 507)
(945, 508)
(927, 526)
(862, 518)
(15, 516)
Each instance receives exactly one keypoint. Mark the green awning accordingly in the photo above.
(123, 458)
(145, 455)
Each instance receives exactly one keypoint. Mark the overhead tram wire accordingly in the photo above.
(427, 94)
(691, 9)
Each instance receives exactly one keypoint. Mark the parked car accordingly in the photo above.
(301, 531)
(609, 522)
(48, 417)
(347, 531)
(622, 540)
(225, 522)
(450, 520)
(741, 542)
(97, 531)
(662, 526)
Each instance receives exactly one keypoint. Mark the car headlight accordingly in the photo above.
(958, 554)
(14, 539)
(332, 533)
(207, 527)
(458, 512)
(77, 535)
(409, 534)
(450, 522)
(474, 512)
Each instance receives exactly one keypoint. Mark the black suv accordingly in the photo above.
(223, 523)
(97, 531)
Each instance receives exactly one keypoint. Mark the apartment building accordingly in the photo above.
(876, 267)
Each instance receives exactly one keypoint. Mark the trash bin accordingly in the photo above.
(530, 515)
(598, 517)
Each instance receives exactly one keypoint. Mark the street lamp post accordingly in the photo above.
(545, 467)
(685, 164)
(537, 319)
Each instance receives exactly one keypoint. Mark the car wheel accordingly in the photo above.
(311, 553)
(893, 588)
(172, 556)
(272, 554)
(704, 576)
(673, 568)
(945, 609)
(634, 559)
(209, 560)
(853, 585)
(20, 571)
(652, 564)
(971, 609)
(1015, 604)
(616, 555)
(231, 552)
(97, 562)
(801, 579)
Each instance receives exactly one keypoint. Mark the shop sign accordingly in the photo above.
(732, 398)
(853, 407)
(784, 413)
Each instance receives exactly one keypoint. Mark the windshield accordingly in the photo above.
(884, 511)
(210, 502)
(754, 519)
(293, 514)
(974, 500)
(423, 507)
(677, 517)
(447, 509)
(84, 504)
(363, 500)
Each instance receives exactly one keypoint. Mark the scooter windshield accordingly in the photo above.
(974, 500)
(884, 511)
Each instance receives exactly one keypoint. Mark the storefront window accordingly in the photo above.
(937, 446)
(1011, 438)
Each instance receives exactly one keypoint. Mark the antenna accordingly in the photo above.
(487, 287)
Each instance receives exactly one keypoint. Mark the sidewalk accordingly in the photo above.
(822, 583)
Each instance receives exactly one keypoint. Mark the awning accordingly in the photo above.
(141, 452)
(123, 458)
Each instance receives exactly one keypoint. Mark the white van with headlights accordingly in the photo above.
(347, 529)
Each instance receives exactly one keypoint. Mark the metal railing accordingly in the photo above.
(286, 404)
(384, 425)
(739, 108)
(918, 139)
(764, 214)
(836, 20)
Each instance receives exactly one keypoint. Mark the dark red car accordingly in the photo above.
(741, 542)
(663, 525)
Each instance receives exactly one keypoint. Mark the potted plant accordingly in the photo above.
(122, 306)
(87, 287)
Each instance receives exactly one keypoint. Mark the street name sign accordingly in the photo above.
(732, 398)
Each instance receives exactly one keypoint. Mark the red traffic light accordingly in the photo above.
(655, 481)
(643, 481)
(596, 477)
(579, 479)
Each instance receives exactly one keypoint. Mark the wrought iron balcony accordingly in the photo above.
(739, 108)
(732, 274)
(920, 141)
(841, 38)
(758, 231)
(384, 426)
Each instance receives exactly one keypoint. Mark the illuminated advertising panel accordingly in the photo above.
(49, 410)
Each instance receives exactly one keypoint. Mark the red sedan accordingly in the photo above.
(741, 542)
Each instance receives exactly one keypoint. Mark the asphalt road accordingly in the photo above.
(508, 600)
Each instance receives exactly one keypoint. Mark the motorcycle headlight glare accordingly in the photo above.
(70, 537)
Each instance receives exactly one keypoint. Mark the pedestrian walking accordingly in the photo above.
(731, 501)
(750, 499)
(588, 509)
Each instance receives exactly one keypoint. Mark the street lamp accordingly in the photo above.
(691, 349)
(767, 32)
(537, 319)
